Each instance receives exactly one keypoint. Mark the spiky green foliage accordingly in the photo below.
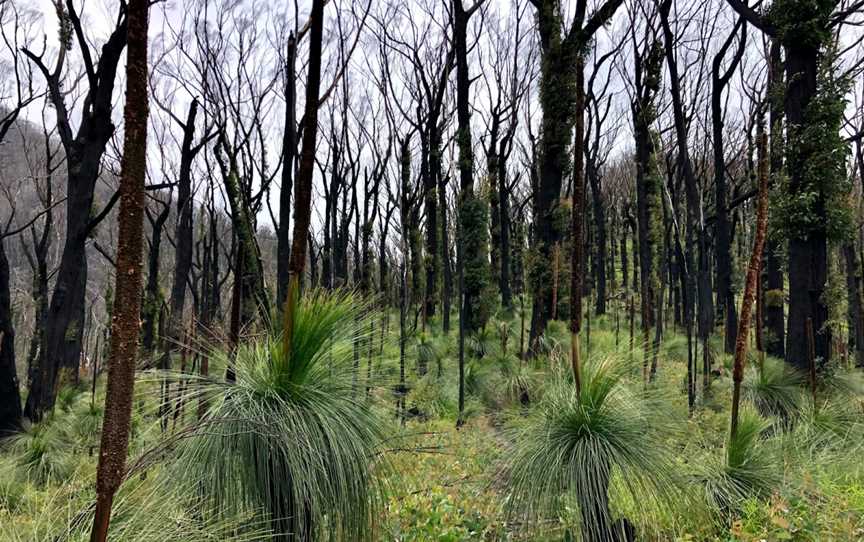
(292, 437)
(479, 343)
(834, 382)
(774, 390)
(517, 380)
(748, 467)
(42, 452)
(142, 512)
(582, 448)
(830, 428)
(428, 354)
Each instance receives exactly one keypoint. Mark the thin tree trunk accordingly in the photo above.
(576, 220)
(289, 152)
(127, 302)
(303, 187)
(750, 282)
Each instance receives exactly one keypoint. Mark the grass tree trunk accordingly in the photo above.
(753, 270)
(127, 302)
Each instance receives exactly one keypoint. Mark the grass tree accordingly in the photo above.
(289, 438)
(577, 446)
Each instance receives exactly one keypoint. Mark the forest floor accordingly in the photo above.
(445, 484)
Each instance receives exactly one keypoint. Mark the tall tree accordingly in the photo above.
(561, 66)
(303, 186)
(648, 58)
(722, 228)
(473, 214)
(775, 318)
(10, 396)
(21, 93)
(810, 195)
(60, 354)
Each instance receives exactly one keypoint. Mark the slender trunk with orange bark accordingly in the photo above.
(752, 276)
(127, 301)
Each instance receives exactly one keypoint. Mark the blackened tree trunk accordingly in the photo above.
(558, 101)
(127, 303)
(722, 231)
(303, 186)
(289, 153)
(577, 219)
(432, 184)
(648, 185)
(600, 228)
(805, 29)
(473, 214)
(152, 306)
(251, 296)
(447, 265)
(855, 302)
(493, 170)
(504, 190)
(10, 397)
(625, 264)
(39, 260)
(808, 254)
(775, 319)
(60, 354)
(183, 230)
(372, 186)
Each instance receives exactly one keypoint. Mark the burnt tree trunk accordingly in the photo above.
(600, 229)
(10, 398)
(775, 319)
(183, 230)
(303, 186)
(289, 153)
(722, 231)
(60, 353)
(855, 302)
(152, 307)
(808, 255)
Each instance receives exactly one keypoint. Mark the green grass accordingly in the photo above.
(794, 473)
